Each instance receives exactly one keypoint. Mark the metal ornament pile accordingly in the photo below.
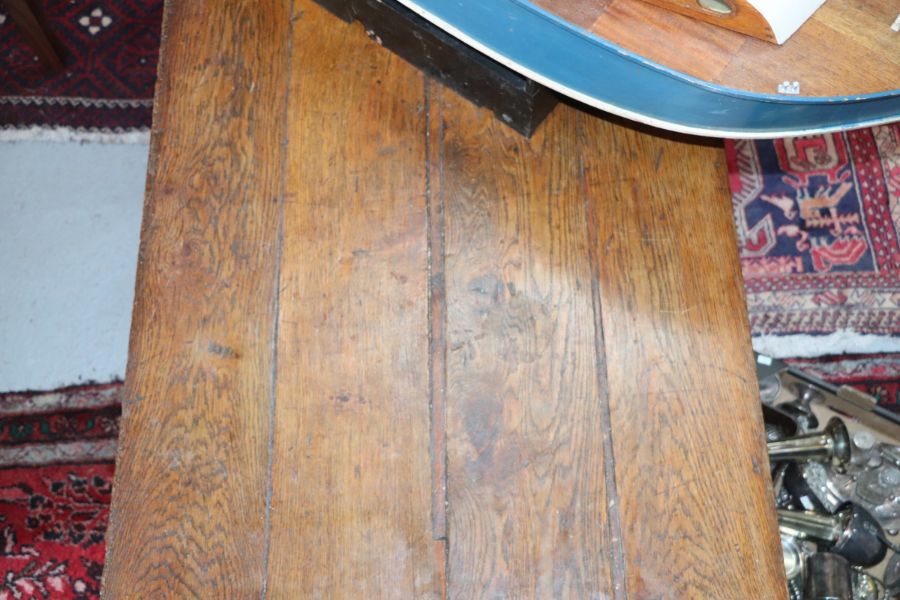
(835, 459)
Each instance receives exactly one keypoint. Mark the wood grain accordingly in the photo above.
(572, 357)
(743, 18)
(582, 14)
(526, 479)
(691, 468)
(351, 503)
(188, 514)
(868, 60)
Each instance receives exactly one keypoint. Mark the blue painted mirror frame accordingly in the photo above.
(591, 70)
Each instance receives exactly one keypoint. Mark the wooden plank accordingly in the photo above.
(526, 479)
(739, 15)
(351, 504)
(188, 515)
(600, 419)
(692, 482)
(698, 49)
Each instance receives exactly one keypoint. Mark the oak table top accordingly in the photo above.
(385, 347)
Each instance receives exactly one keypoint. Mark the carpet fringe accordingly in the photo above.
(70, 134)
(56, 453)
(812, 346)
(76, 398)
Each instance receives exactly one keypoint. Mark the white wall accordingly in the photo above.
(69, 226)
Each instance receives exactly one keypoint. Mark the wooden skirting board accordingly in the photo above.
(385, 347)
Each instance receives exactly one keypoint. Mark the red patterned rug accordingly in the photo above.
(876, 374)
(57, 453)
(105, 91)
(817, 220)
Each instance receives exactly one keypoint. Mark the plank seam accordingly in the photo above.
(444, 457)
(276, 309)
(613, 514)
(437, 355)
(436, 330)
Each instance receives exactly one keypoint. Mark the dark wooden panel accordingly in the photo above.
(527, 508)
(351, 504)
(188, 516)
(692, 483)
(516, 100)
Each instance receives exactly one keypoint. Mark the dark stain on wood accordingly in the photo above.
(222, 351)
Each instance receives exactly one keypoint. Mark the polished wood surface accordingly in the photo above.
(525, 458)
(189, 515)
(352, 474)
(490, 366)
(678, 369)
(846, 47)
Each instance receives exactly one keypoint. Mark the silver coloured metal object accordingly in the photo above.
(793, 559)
(833, 443)
(852, 533)
(864, 587)
(823, 485)
(849, 485)
(811, 525)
